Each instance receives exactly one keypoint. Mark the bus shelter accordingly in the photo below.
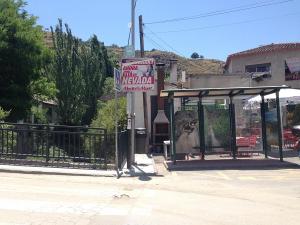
(225, 93)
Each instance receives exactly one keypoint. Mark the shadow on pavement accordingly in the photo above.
(231, 164)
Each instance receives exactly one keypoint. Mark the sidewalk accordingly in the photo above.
(144, 167)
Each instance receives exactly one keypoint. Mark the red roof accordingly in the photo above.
(264, 49)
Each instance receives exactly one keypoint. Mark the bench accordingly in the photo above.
(246, 142)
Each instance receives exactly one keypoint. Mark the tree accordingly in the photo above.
(80, 70)
(96, 67)
(106, 115)
(195, 55)
(67, 70)
(22, 53)
(108, 88)
(3, 114)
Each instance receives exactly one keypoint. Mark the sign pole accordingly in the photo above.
(132, 115)
(117, 83)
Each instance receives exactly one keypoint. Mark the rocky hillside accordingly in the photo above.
(191, 66)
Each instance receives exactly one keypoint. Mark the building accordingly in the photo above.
(274, 64)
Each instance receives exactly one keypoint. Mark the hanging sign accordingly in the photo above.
(117, 79)
(138, 75)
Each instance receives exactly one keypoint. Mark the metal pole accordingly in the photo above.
(132, 115)
(263, 125)
(172, 126)
(279, 126)
(201, 128)
(145, 106)
(232, 128)
(116, 129)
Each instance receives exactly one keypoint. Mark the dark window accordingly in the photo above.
(258, 68)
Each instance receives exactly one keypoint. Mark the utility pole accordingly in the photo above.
(132, 115)
(145, 106)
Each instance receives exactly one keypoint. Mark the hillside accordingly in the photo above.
(191, 66)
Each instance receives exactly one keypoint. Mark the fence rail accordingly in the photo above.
(56, 145)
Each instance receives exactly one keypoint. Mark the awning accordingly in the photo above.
(293, 64)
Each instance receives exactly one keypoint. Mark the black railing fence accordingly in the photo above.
(55, 145)
(123, 148)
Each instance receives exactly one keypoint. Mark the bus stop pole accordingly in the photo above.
(279, 126)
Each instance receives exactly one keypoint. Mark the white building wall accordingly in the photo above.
(277, 60)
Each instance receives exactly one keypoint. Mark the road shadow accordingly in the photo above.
(231, 164)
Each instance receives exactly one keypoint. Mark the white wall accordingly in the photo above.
(277, 60)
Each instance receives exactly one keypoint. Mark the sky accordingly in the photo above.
(222, 27)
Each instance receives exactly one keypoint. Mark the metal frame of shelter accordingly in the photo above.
(230, 93)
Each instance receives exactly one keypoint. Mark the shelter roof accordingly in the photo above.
(222, 92)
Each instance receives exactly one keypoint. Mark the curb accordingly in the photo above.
(57, 171)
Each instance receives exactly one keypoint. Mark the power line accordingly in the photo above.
(163, 41)
(226, 24)
(224, 11)
(154, 42)
(169, 46)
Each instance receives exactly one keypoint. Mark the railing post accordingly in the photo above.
(47, 147)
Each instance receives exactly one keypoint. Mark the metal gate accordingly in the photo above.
(56, 146)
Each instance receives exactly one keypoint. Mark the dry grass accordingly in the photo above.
(191, 66)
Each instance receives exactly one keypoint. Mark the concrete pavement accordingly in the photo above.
(233, 197)
(144, 167)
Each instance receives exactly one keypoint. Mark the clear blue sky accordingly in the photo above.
(109, 19)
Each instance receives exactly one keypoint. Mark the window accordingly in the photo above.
(258, 68)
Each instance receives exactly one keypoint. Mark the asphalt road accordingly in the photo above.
(232, 197)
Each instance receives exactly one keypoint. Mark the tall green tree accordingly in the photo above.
(68, 73)
(22, 53)
(96, 67)
(80, 69)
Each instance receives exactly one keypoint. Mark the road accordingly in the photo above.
(232, 197)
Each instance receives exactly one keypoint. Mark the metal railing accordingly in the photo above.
(56, 146)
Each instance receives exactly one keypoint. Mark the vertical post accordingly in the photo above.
(116, 130)
(145, 106)
(279, 126)
(232, 128)
(263, 125)
(172, 126)
(132, 115)
(201, 128)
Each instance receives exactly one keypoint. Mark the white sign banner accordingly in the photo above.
(138, 76)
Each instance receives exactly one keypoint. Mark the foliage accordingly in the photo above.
(96, 67)
(106, 115)
(220, 123)
(22, 53)
(3, 113)
(108, 88)
(39, 114)
(195, 55)
(67, 70)
(79, 70)
(43, 89)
